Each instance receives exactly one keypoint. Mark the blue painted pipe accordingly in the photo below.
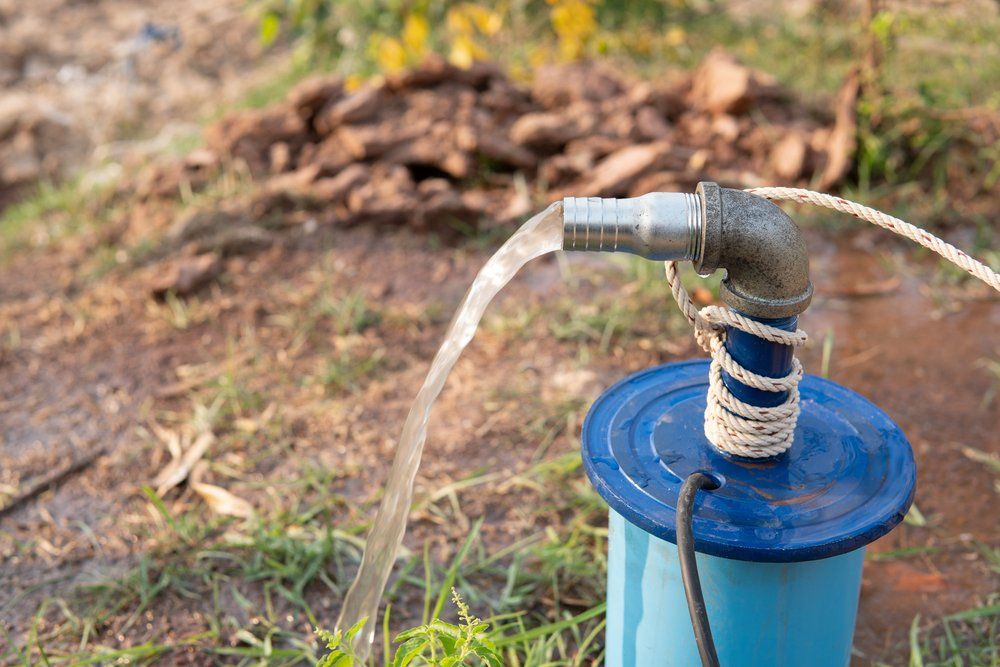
(763, 358)
(780, 544)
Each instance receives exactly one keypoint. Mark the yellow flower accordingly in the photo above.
(415, 32)
(390, 55)
(676, 36)
(353, 82)
(574, 23)
(487, 21)
(458, 21)
(465, 51)
(466, 22)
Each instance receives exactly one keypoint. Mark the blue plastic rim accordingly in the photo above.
(847, 480)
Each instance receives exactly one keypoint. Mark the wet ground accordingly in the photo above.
(920, 353)
(89, 364)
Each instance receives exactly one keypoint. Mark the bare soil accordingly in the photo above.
(97, 361)
(83, 82)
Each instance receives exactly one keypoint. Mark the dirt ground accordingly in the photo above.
(89, 82)
(98, 362)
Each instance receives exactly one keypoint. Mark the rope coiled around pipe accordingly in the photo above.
(741, 429)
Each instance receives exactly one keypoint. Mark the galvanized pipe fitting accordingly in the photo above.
(759, 246)
(761, 249)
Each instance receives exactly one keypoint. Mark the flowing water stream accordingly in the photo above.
(539, 235)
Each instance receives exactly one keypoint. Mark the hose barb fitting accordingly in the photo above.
(658, 226)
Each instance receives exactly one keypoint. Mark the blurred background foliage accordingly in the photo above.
(926, 112)
(809, 49)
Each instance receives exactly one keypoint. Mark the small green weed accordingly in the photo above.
(969, 638)
(345, 371)
(350, 314)
(52, 212)
(340, 645)
(446, 644)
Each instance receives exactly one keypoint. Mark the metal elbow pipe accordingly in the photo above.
(759, 246)
(761, 249)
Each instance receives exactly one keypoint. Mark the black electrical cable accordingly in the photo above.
(689, 568)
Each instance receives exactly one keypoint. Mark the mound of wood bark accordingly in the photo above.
(439, 144)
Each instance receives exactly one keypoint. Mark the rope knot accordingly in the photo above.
(708, 328)
(732, 425)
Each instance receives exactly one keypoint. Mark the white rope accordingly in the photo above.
(905, 229)
(741, 429)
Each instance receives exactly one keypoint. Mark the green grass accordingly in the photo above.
(628, 303)
(969, 638)
(262, 571)
(63, 208)
(503, 639)
(346, 371)
(350, 314)
(258, 587)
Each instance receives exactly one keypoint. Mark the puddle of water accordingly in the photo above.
(540, 235)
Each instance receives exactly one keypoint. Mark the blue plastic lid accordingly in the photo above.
(847, 480)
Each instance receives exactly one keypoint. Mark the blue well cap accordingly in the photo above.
(847, 480)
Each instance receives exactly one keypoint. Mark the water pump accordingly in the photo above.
(780, 540)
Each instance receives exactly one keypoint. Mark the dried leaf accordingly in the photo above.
(252, 425)
(217, 498)
(989, 459)
(914, 517)
(180, 467)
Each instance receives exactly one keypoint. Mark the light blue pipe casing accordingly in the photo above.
(762, 614)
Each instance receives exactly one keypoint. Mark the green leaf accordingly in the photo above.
(406, 635)
(161, 507)
(341, 646)
(409, 650)
(972, 614)
(451, 643)
(447, 629)
(270, 26)
(356, 628)
(552, 628)
(487, 652)
(915, 517)
(916, 655)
